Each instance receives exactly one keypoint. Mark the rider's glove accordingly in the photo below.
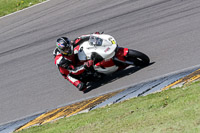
(88, 64)
(64, 63)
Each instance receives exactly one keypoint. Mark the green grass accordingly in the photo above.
(10, 6)
(173, 110)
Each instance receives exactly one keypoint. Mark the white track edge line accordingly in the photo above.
(24, 9)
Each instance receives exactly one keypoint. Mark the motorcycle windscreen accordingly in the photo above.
(96, 41)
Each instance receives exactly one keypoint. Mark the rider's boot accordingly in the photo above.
(81, 86)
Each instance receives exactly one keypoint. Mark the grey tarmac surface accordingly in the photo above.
(168, 31)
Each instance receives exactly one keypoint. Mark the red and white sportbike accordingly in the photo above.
(108, 57)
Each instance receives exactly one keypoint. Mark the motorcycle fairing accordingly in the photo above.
(121, 53)
(103, 45)
(106, 66)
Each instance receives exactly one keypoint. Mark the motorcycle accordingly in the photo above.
(108, 57)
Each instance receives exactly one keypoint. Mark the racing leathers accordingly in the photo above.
(70, 65)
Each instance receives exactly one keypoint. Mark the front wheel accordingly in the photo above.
(138, 58)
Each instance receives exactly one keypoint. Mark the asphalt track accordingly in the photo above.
(166, 30)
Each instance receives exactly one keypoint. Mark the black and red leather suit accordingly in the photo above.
(70, 65)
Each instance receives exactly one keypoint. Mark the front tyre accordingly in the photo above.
(138, 58)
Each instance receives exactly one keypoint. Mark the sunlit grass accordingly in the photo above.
(10, 6)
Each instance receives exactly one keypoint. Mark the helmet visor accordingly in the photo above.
(66, 51)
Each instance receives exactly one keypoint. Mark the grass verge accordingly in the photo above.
(173, 110)
(10, 6)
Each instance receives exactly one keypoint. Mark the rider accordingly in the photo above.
(66, 59)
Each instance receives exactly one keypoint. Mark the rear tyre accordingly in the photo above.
(138, 58)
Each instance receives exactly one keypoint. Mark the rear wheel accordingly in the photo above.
(138, 58)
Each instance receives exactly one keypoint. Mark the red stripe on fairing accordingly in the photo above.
(77, 40)
(77, 48)
(121, 53)
(108, 63)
